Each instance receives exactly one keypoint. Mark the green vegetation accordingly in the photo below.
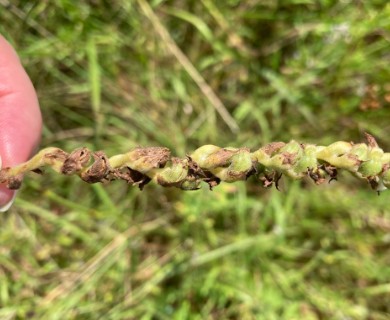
(113, 75)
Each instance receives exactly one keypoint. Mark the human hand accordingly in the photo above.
(20, 116)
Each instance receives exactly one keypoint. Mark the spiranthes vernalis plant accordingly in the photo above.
(212, 164)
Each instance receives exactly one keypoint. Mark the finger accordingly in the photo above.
(20, 117)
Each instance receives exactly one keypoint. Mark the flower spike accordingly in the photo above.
(212, 164)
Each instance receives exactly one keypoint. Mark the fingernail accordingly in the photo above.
(7, 196)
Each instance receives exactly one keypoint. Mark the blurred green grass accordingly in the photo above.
(108, 78)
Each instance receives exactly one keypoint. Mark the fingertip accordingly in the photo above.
(20, 116)
(7, 198)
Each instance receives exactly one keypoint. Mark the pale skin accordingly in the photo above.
(20, 116)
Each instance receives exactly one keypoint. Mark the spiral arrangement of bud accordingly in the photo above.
(212, 164)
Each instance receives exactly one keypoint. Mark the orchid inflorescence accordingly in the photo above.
(212, 164)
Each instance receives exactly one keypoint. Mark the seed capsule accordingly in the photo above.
(386, 178)
(202, 154)
(370, 168)
(240, 165)
(174, 174)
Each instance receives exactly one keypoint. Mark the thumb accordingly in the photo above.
(20, 117)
